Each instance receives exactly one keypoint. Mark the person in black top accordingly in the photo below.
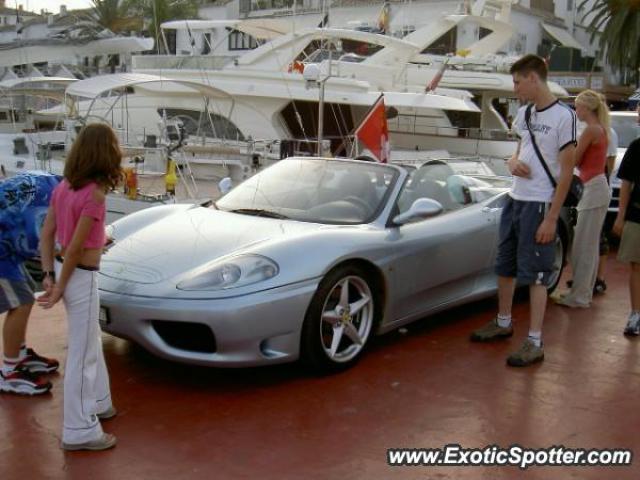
(627, 225)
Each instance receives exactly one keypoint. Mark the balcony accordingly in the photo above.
(276, 8)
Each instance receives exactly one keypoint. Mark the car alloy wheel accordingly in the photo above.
(339, 320)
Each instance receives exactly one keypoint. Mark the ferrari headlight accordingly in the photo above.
(232, 273)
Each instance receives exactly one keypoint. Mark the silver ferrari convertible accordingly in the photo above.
(307, 260)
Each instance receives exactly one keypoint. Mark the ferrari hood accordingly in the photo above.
(179, 243)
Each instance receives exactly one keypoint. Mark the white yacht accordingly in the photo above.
(385, 64)
(249, 104)
(32, 128)
(263, 98)
(44, 149)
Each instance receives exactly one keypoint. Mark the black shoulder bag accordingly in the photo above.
(575, 189)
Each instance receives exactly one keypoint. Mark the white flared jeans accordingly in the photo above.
(86, 380)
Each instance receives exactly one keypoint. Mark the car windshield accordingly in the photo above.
(314, 190)
(627, 128)
(455, 183)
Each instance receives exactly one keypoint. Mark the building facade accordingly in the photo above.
(66, 43)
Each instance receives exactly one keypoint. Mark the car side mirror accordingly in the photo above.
(420, 208)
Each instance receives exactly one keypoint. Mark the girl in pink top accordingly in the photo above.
(76, 220)
(591, 158)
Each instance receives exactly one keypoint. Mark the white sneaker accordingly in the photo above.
(567, 301)
(23, 382)
(105, 442)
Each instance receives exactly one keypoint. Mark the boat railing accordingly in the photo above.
(150, 138)
(174, 62)
(416, 125)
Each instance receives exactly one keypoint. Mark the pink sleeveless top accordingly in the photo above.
(69, 205)
(594, 160)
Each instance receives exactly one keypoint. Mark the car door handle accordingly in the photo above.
(490, 209)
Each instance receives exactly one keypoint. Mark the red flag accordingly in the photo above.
(373, 131)
(433, 84)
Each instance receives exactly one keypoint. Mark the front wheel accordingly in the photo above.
(339, 320)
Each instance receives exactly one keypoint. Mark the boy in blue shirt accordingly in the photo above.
(23, 205)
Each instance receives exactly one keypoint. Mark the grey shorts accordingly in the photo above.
(519, 255)
(14, 293)
(629, 250)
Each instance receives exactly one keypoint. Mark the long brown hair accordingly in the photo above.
(95, 156)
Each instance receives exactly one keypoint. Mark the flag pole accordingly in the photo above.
(435, 81)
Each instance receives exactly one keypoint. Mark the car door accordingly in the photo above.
(440, 260)
(486, 279)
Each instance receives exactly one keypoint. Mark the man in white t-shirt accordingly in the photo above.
(530, 215)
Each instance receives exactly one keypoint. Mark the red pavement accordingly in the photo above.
(422, 389)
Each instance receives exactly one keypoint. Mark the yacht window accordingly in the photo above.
(171, 37)
(316, 51)
(445, 44)
(301, 120)
(501, 106)
(483, 32)
(468, 123)
(241, 41)
(360, 48)
(270, 4)
(206, 44)
(343, 49)
(544, 5)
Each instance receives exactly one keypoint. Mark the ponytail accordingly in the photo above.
(596, 102)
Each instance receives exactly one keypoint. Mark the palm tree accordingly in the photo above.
(618, 23)
(114, 15)
(159, 11)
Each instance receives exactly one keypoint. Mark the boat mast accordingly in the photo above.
(322, 81)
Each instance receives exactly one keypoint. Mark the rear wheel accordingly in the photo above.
(559, 258)
(339, 320)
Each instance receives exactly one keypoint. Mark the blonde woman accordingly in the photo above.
(591, 158)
